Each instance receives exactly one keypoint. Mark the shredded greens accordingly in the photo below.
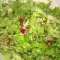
(40, 20)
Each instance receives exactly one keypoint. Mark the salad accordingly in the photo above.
(29, 30)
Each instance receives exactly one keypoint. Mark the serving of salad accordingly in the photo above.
(29, 30)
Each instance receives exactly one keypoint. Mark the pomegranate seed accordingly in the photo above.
(24, 30)
(49, 43)
(21, 20)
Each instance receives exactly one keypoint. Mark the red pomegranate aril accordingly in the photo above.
(49, 43)
(24, 30)
(21, 20)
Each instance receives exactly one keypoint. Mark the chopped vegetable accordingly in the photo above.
(29, 30)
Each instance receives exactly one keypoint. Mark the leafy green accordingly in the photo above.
(39, 20)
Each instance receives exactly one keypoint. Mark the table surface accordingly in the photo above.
(55, 3)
